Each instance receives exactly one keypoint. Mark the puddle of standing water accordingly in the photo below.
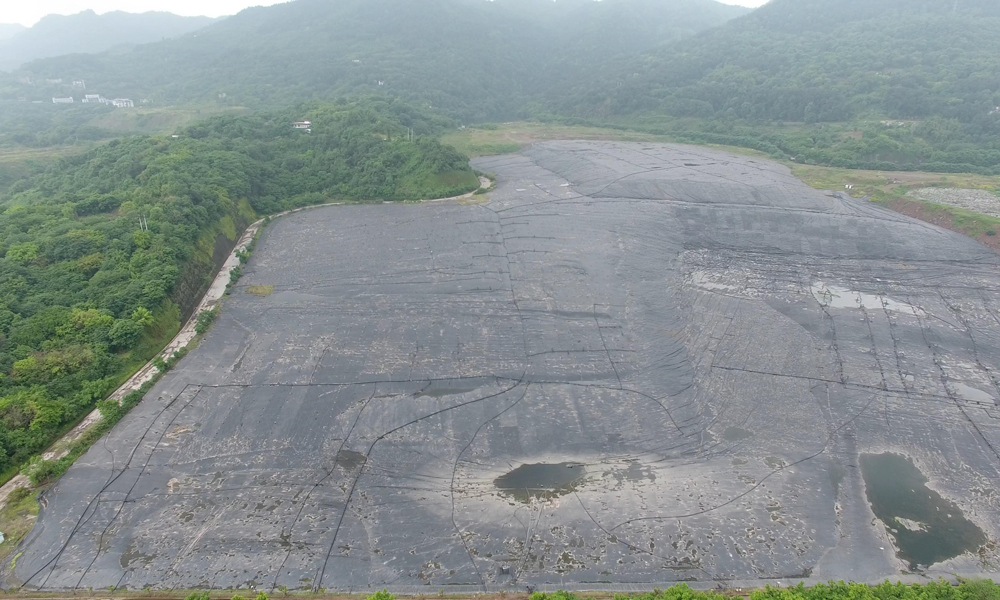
(540, 480)
(349, 459)
(970, 393)
(736, 434)
(840, 297)
(926, 527)
(441, 392)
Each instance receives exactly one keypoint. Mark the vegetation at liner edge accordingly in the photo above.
(967, 589)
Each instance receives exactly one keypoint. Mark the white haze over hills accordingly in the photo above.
(25, 14)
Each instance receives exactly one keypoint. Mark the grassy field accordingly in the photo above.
(484, 140)
(16, 155)
(891, 190)
(20, 162)
(159, 120)
(888, 183)
(16, 519)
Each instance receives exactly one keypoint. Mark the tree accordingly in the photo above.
(23, 253)
(125, 333)
(143, 316)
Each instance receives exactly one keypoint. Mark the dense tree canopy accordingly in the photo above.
(825, 60)
(86, 291)
(915, 83)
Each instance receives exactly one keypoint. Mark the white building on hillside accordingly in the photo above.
(122, 103)
(68, 100)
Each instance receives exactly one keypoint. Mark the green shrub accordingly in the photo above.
(205, 320)
(382, 595)
(979, 589)
(198, 596)
(38, 470)
(557, 595)
(18, 494)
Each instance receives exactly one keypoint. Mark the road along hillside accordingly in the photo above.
(635, 364)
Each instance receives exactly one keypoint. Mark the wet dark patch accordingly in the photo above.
(349, 460)
(926, 527)
(133, 556)
(540, 480)
(634, 472)
(837, 474)
(774, 462)
(736, 434)
(637, 472)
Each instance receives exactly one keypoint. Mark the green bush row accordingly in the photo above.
(974, 589)
(970, 589)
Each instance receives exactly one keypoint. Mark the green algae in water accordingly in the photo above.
(926, 527)
(540, 480)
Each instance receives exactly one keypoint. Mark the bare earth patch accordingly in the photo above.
(929, 214)
(980, 201)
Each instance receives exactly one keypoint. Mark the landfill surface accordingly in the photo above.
(631, 365)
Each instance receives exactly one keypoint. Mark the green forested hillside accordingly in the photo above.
(830, 60)
(855, 83)
(89, 32)
(933, 68)
(473, 59)
(86, 294)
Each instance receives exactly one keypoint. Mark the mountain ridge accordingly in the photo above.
(8, 30)
(473, 59)
(87, 32)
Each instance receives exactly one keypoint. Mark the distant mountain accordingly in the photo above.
(8, 30)
(620, 26)
(821, 60)
(472, 58)
(88, 32)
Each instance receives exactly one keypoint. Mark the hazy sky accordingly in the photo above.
(28, 13)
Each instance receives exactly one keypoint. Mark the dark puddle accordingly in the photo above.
(349, 459)
(540, 480)
(926, 527)
(634, 472)
(736, 434)
(132, 555)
